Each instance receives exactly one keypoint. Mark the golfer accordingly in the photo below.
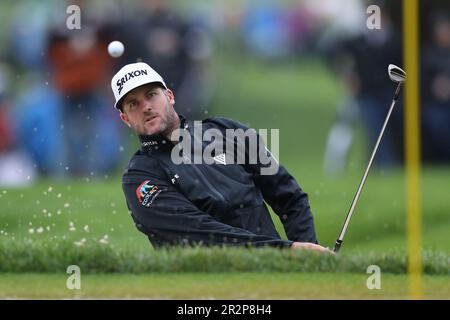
(218, 203)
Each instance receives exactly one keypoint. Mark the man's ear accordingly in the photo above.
(170, 96)
(124, 118)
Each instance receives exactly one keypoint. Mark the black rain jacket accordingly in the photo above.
(212, 204)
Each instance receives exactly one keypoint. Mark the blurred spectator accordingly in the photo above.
(264, 30)
(273, 31)
(5, 124)
(180, 49)
(80, 69)
(436, 92)
(32, 113)
(328, 23)
(16, 168)
(27, 41)
(362, 61)
(63, 112)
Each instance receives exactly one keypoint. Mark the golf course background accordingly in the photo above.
(43, 226)
(52, 224)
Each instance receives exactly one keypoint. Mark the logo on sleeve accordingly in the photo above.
(147, 193)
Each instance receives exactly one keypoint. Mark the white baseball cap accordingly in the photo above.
(132, 76)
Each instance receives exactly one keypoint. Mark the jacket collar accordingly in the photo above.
(156, 140)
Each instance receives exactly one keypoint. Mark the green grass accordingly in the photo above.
(217, 286)
(93, 258)
(71, 211)
(379, 222)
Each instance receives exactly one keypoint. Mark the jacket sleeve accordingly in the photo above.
(167, 217)
(281, 191)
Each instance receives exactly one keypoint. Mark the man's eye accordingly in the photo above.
(151, 94)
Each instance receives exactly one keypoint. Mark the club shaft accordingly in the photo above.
(364, 177)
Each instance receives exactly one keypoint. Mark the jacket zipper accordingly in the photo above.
(210, 185)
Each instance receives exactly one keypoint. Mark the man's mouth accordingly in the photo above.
(150, 118)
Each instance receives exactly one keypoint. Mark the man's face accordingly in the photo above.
(149, 110)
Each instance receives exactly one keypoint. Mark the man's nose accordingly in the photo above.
(146, 105)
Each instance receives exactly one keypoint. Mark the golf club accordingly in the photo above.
(399, 76)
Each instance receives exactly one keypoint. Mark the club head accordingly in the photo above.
(396, 73)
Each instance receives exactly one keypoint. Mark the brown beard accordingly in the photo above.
(172, 122)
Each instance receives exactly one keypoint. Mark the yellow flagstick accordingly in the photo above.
(412, 144)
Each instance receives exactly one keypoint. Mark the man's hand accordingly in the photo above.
(310, 246)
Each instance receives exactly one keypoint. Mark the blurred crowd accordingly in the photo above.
(60, 119)
(56, 115)
(361, 61)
